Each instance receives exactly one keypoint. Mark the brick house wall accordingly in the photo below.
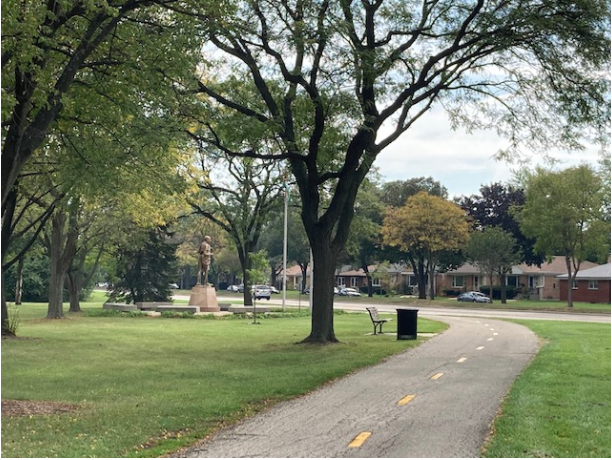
(583, 294)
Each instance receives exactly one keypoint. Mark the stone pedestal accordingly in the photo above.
(205, 297)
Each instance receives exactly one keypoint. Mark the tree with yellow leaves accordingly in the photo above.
(425, 227)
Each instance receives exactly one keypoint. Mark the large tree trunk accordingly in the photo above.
(570, 282)
(6, 332)
(432, 283)
(62, 248)
(74, 290)
(418, 267)
(304, 268)
(19, 282)
(323, 271)
(57, 272)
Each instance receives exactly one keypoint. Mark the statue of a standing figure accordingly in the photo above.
(205, 255)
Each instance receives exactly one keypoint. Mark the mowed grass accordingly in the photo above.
(560, 406)
(148, 386)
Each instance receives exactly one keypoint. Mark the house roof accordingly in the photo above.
(555, 267)
(599, 272)
(295, 270)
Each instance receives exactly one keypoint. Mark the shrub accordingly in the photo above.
(511, 292)
(13, 321)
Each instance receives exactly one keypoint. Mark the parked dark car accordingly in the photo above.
(473, 296)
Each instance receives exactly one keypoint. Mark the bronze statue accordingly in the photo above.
(205, 256)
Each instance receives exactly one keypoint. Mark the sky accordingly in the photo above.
(461, 162)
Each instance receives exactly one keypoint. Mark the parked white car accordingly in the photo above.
(350, 292)
(261, 291)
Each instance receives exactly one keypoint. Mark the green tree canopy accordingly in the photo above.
(492, 250)
(330, 75)
(565, 212)
(428, 225)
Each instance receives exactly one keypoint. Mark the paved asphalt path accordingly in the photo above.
(436, 400)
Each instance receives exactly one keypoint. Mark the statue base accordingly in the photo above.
(205, 297)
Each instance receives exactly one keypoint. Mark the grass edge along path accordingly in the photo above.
(559, 406)
(146, 387)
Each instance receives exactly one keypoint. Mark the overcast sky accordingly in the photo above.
(461, 162)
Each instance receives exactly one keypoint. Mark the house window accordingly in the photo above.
(536, 281)
(375, 282)
(593, 284)
(575, 284)
(412, 280)
(512, 280)
(458, 281)
(341, 281)
(353, 281)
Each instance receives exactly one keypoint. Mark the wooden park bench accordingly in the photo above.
(376, 320)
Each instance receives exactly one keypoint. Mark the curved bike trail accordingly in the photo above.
(435, 400)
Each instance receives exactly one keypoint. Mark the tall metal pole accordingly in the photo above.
(285, 247)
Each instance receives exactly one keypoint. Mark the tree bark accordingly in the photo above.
(323, 269)
(74, 289)
(432, 282)
(6, 332)
(502, 287)
(62, 248)
(570, 282)
(19, 282)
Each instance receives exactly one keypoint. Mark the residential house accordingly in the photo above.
(401, 278)
(541, 281)
(591, 285)
(467, 277)
(294, 277)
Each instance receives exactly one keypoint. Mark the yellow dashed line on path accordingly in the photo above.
(360, 439)
(462, 360)
(437, 376)
(405, 400)
(496, 333)
(479, 348)
(489, 339)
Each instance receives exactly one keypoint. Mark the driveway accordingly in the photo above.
(436, 400)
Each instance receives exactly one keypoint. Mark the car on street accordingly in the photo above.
(261, 291)
(273, 290)
(350, 292)
(232, 288)
(473, 296)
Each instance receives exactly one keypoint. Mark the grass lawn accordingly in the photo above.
(560, 406)
(146, 386)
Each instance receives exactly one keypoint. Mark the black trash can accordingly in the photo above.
(407, 323)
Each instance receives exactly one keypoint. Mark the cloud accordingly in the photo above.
(460, 161)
